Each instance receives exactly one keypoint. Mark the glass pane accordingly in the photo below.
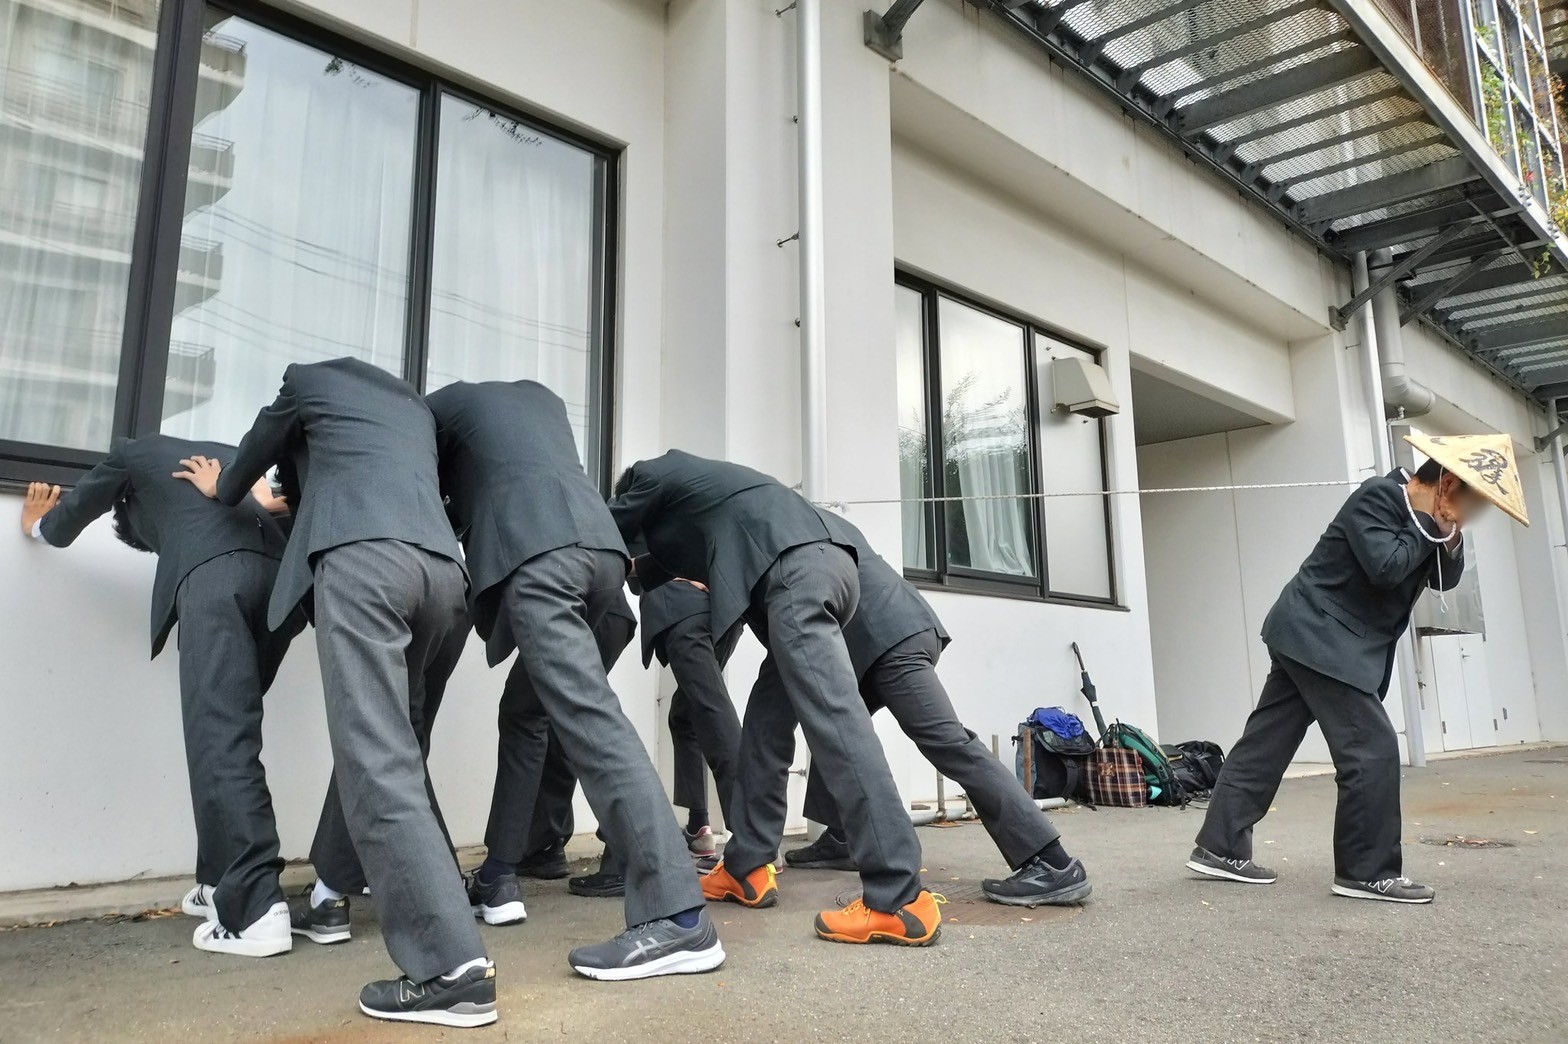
(512, 288)
(74, 87)
(296, 239)
(985, 441)
(914, 463)
(1077, 551)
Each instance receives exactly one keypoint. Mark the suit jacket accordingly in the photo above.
(890, 609)
(1351, 599)
(169, 515)
(663, 608)
(713, 521)
(515, 487)
(357, 450)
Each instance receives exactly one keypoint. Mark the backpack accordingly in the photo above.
(1052, 753)
(1196, 765)
(1157, 772)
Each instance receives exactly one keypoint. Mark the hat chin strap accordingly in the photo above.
(1442, 596)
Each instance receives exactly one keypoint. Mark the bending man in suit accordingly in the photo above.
(373, 553)
(765, 554)
(548, 563)
(1331, 636)
(216, 566)
(894, 641)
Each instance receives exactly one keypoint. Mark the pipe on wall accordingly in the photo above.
(813, 266)
(1403, 395)
(1557, 464)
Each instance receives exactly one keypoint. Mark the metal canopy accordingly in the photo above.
(1290, 101)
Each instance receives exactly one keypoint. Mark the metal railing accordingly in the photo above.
(69, 105)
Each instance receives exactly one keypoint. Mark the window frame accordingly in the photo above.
(964, 579)
(156, 240)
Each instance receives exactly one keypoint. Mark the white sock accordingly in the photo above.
(477, 962)
(322, 894)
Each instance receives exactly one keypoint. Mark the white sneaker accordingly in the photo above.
(198, 903)
(268, 935)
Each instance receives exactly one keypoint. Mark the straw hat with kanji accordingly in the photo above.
(1485, 463)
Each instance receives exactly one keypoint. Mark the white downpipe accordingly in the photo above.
(813, 266)
(1562, 472)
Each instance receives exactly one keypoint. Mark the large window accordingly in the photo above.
(1014, 477)
(197, 194)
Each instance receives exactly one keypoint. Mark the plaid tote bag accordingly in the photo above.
(1115, 778)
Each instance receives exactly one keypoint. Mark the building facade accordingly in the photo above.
(604, 196)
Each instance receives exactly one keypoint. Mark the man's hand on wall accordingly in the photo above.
(41, 499)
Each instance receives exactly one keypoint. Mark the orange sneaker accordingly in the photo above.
(918, 924)
(759, 888)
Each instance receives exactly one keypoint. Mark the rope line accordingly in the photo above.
(1088, 493)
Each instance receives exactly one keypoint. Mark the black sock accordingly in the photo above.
(696, 819)
(493, 868)
(1055, 855)
(836, 834)
(687, 918)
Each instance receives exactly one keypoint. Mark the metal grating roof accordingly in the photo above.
(1290, 100)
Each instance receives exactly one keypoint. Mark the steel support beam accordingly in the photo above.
(1303, 80)
(1091, 49)
(1045, 21)
(1339, 316)
(1387, 232)
(1543, 332)
(1520, 301)
(1324, 144)
(1228, 148)
(1359, 161)
(1130, 75)
(1384, 192)
(884, 33)
(1447, 287)
(1268, 61)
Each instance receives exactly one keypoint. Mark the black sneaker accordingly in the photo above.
(325, 922)
(466, 1001)
(707, 863)
(547, 864)
(1038, 883)
(825, 853)
(657, 948)
(601, 885)
(499, 901)
(1388, 890)
(1208, 864)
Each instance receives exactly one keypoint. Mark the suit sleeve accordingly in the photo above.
(630, 510)
(649, 574)
(267, 443)
(1384, 539)
(92, 498)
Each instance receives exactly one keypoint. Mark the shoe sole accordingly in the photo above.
(767, 899)
(883, 937)
(546, 875)
(506, 913)
(686, 962)
(597, 893)
(1356, 893)
(244, 947)
(327, 938)
(1225, 875)
(822, 864)
(1062, 897)
(459, 1019)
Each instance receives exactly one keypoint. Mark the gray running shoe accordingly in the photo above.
(499, 901)
(1388, 890)
(466, 1001)
(1038, 883)
(1244, 870)
(325, 923)
(659, 947)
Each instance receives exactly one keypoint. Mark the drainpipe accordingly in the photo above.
(813, 279)
(1557, 463)
(1405, 397)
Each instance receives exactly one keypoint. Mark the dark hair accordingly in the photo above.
(1428, 473)
(122, 527)
(623, 483)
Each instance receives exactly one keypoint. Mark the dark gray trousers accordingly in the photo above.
(704, 728)
(904, 680)
(386, 613)
(531, 805)
(553, 601)
(798, 609)
(1365, 750)
(228, 659)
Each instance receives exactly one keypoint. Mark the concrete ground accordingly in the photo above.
(1154, 956)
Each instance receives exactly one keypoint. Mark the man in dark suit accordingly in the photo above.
(894, 641)
(1332, 636)
(216, 566)
(765, 554)
(373, 555)
(548, 563)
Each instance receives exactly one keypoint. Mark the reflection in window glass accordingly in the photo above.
(914, 454)
(1071, 462)
(512, 284)
(74, 87)
(298, 207)
(985, 441)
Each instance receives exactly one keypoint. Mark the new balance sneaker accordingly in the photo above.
(267, 936)
(198, 903)
(825, 853)
(659, 947)
(759, 888)
(1204, 862)
(917, 924)
(325, 922)
(701, 842)
(599, 885)
(705, 864)
(1388, 890)
(464, 1002)
(547, 864)
(499, 901)
(1038, 883)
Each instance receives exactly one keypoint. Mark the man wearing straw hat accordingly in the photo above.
(1331, 636)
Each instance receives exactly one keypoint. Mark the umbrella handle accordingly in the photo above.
(1079, 655)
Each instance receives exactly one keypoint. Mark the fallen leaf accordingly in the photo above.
(1532, 831)
(1268, 842)
(1026, 918)
(1205, 902)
